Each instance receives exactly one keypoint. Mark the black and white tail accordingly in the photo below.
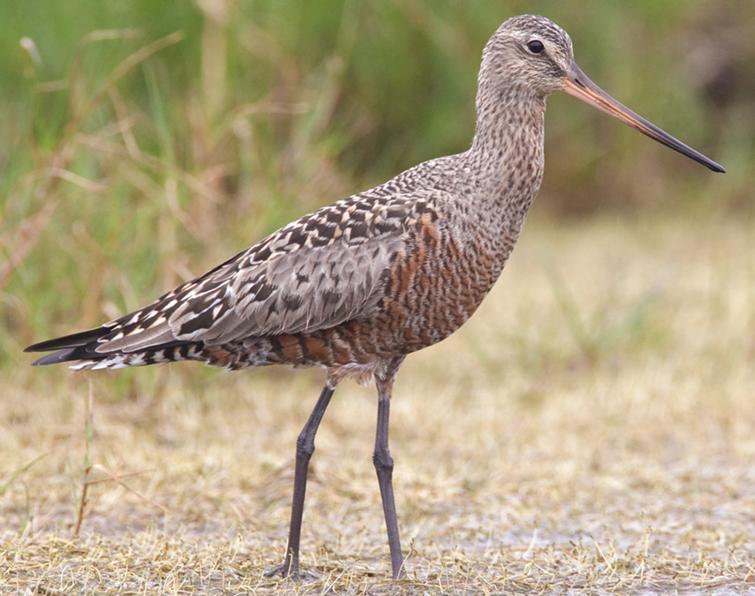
(88, 350)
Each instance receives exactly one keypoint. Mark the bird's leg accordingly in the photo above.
(305, 447)
(384, 465)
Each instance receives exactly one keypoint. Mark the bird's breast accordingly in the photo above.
(435, 285)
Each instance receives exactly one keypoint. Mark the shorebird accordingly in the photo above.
(357, 285)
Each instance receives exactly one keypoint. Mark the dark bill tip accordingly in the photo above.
(579, 85)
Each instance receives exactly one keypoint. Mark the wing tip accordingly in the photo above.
(66, 348)
(73, 340)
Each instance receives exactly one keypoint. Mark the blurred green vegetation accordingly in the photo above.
(144, 141)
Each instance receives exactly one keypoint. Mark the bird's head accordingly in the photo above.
(532, 55)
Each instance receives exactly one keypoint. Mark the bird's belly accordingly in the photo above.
(443, 292)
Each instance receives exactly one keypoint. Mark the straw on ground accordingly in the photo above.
(618, 457)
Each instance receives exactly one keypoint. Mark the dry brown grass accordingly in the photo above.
(590, 428)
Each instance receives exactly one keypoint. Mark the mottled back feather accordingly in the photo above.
(316, 272)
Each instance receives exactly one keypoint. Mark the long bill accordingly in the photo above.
(578, 84)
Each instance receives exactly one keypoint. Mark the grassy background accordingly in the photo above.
(146, 141)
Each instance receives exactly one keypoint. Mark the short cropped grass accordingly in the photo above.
(590, 429)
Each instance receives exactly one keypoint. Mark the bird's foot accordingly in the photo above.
(292, 572)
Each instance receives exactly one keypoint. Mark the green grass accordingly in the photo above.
(146, 142)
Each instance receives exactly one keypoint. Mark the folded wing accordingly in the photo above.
(317, 272)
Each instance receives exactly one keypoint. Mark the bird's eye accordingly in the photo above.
(535, 46)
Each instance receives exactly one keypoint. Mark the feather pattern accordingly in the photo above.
(316, 272)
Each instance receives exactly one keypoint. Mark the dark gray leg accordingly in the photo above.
(305, 447)
(384, 466)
